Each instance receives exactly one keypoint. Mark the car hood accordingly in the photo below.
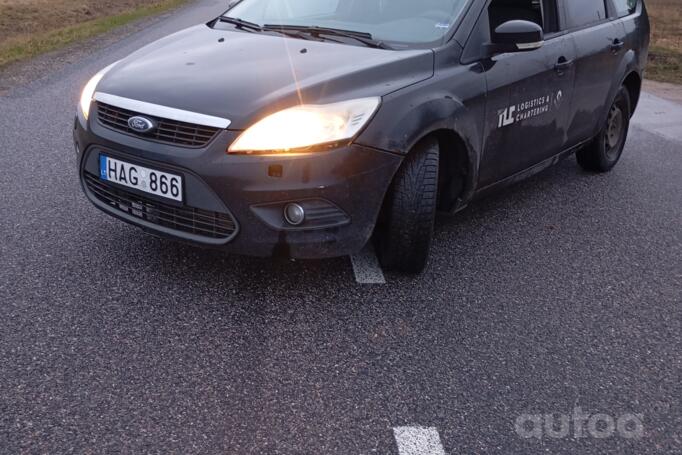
(245, 76)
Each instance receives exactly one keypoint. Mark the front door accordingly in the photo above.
(528, 108)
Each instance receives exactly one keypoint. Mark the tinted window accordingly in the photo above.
(579, 13)
(501, 11)
(625, 7)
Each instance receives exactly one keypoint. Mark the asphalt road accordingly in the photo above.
(565, 291)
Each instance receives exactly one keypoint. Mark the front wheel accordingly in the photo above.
(406, 229)
(605, 151)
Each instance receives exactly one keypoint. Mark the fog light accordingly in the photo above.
(294, 214)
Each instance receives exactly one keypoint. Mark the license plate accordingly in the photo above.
(141, 178)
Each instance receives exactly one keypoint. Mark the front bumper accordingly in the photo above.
(250, 190)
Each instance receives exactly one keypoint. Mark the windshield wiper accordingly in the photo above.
(241, 23)
(292, 33)
(362, 37)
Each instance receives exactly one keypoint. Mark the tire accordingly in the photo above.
(405, 233)
(606, 149)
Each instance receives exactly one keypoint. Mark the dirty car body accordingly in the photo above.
(290, 130)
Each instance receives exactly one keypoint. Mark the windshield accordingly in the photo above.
(396, 21)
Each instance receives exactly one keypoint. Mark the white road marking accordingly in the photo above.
(366, 267)
(418, 441)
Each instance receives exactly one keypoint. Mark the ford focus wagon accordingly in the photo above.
(308, 128)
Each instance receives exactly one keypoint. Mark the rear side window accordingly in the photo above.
(625, 7)
(580, 13)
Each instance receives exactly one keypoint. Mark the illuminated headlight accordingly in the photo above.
(302, 128)
(89, 91)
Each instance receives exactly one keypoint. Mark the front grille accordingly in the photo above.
(204, 223)
(167, 131)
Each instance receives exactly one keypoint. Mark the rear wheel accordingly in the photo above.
(605, 151)
(405, 233)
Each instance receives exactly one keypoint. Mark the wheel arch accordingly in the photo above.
(630, 78)
(633, 83)
(456, 129)
(454, 183)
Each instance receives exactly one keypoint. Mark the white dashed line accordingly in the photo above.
(366, 267)
(418, 441)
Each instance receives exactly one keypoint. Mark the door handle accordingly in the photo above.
(563, 65)
(617, 45)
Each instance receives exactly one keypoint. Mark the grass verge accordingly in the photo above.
(665, 57)
(665, 65)
(25, 47)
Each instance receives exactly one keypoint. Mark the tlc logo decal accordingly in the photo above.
(507, 117)
(529, 109)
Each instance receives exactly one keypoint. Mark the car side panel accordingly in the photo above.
(636, 29)
(596, 67)
(528, 108)
(454, 100)
(601, 71)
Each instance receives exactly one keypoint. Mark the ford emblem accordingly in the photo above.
(141, 124)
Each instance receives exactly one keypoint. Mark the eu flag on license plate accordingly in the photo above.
(103, 167)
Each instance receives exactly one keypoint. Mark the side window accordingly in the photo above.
(501, 11)
(580, 13)
(542, 12)
(625, 7)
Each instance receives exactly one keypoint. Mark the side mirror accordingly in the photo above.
(517, 36)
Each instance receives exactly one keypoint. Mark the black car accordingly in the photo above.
(306, 128)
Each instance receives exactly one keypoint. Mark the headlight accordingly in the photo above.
(299, 128)
(89, 91)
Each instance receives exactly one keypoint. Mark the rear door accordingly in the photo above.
(529, 95)
(599, 44)
(628, 14)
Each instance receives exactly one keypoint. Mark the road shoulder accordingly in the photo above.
(659, 115)
(667, 91)
(22, 73)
